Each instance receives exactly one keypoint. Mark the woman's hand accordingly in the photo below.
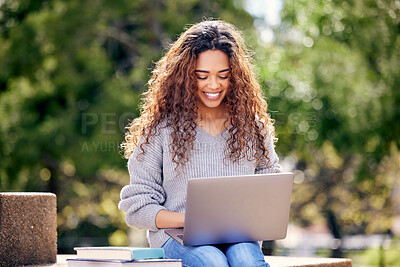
(169, 219)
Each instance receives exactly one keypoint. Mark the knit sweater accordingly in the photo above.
(155, 183)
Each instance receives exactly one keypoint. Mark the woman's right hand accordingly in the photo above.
(169, 219)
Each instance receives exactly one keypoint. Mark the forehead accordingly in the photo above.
(212, 60)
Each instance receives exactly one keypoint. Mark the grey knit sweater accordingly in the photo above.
(156, 185)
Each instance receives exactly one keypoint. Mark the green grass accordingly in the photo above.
(376, 257)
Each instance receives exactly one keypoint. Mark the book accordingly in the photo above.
(121, 263)
(118, 253)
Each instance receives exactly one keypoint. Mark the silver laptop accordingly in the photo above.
(236, 209)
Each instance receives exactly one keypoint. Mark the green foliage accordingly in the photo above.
(332, 81)
(366, 34)
(71, 75)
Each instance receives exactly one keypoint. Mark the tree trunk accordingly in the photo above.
(335, 230)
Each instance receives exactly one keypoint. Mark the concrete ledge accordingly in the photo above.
(274, 261)
(28, 228)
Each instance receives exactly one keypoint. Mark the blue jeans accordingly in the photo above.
(237, 254)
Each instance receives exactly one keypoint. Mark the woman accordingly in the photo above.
(203, 116)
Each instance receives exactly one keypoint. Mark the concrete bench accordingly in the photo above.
(307, 261)
(28, 228)
(274, 261)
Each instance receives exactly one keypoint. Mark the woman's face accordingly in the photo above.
(213, 73)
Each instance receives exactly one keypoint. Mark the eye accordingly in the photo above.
(223, 77)
(201, 78)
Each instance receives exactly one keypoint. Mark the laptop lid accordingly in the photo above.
(237, 208)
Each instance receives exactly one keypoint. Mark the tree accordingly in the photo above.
(71, 74)
(332, 75)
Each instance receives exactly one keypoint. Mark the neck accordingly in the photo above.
(212, 114)
(213, 120)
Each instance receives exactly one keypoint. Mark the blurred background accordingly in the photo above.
(71, 76)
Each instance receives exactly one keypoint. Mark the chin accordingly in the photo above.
(211, 105)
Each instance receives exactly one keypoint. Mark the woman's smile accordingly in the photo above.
(212, 96)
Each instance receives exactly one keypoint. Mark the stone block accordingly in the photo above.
(28, 228)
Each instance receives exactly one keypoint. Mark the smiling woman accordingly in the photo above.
(203, 116)
(212, 71)
(173, 96)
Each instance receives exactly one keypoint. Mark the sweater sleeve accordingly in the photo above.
(144, 197)
(272, 165)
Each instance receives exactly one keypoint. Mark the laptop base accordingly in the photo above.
(176, 234)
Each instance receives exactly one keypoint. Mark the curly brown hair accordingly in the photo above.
(171, 97)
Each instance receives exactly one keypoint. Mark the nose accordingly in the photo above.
(213, 84)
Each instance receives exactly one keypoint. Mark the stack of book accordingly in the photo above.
(121, 256)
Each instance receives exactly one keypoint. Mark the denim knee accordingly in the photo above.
(195, 256)
(205, 256)
(245, 254)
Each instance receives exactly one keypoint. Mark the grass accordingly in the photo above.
(388, 257)
(376, 257)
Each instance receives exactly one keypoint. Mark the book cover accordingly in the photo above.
(119, 253)
(122, 263)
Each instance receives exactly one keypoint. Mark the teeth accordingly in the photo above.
(211, 94)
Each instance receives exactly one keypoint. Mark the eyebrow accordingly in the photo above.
(205, 71)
